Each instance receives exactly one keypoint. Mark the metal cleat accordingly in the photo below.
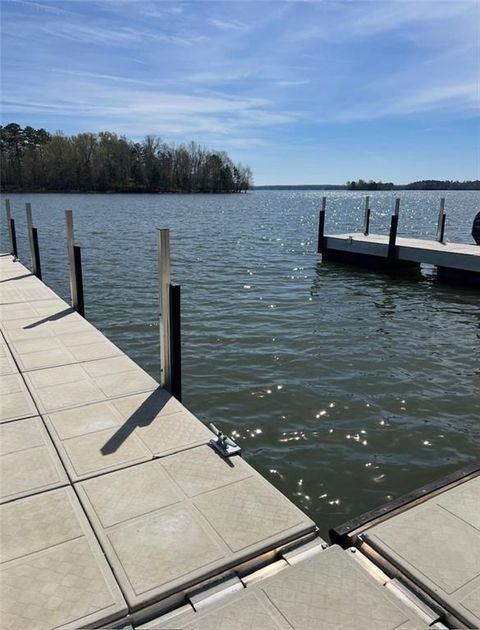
(224, 444)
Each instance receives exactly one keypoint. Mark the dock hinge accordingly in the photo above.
(394, 583)
(202, 598)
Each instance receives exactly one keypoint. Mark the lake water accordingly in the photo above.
(344, 388)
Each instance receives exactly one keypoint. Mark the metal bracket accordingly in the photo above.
(224, 444)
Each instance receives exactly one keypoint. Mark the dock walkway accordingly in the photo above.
(461, 256)
(116, 512)
(103, 470)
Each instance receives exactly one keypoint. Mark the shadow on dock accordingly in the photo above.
(50, 318)
(144, 415)
(25, 275)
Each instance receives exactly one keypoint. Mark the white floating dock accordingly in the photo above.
(460, 256)
(455, 262)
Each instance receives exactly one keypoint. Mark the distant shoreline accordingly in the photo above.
(415, 186)
(117, 192)
(253, 189)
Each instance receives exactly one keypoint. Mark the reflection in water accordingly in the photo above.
(344, 387)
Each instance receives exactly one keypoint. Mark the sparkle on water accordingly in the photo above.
(345, 388)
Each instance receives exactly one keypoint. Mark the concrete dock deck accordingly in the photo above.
(460, 256)
(117, 513)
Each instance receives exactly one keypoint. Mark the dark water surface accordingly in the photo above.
(345, 388)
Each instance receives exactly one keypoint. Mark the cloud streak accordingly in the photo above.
(270, 75)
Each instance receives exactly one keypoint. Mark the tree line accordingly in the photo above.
(425, 184)
(370, 185)
(34, 160)
(435, 184)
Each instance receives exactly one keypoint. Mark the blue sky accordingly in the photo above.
(303, 92)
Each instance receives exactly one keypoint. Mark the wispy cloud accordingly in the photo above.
(86, 97)
(292, 83)
(271, 75)
(107, 77)
(225, 25)
(41, 6)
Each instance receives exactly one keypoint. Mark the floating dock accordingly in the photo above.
(454, 262)
(116, 512)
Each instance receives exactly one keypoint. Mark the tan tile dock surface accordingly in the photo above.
(437, 544)
(163, 506)
(15, 399)
(111, 500)
(53, 573)
(163, 526)
(28, 460)
(97, 438)
(329, 590)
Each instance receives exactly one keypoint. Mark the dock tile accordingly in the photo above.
(328, 590)
(44, 348)
(28, 461)
(74, 385)
(163, 542)
(144, 408)
(85, 456)
(53, 391)
(196, 471)
(88, 346)
(119, 376)
(82, 420)
(472, 603)
(93, 439)
(463, 502)
(331, 591)
(44, 352)
(422, 539)
(7, 364)
(28, 290)
(34, 310)
(169, 433)
(54, 576)
(136, 491)
(63, 349)
(437, 544)
(164, 424)
(235, 514)
(21, 435)
(15, 400)
(63, 320)
(101, 437)
(249, 610)
(160, 548)
(42, 521)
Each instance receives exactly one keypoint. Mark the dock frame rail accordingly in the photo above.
(347, 533)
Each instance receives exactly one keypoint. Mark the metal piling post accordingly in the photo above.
(169, 320)
(176, 340)
(321, 227)
(392, 248)
(75, 264)
(33, 240)
(11, 229)
(366, 218)
(441, 221)
(163, 246)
